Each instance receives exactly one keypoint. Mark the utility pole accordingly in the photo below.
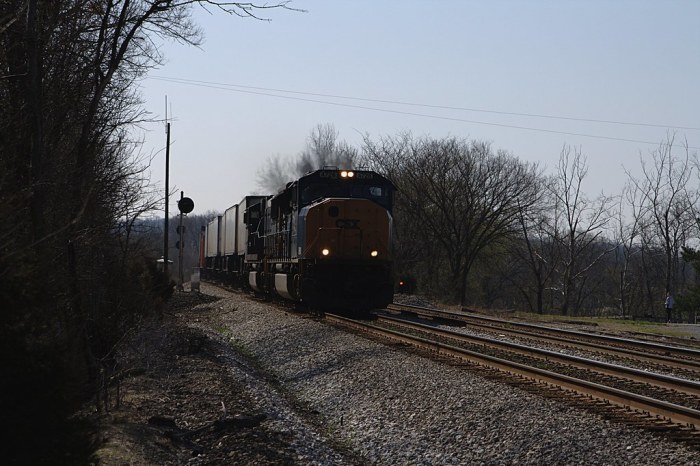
(167, 187)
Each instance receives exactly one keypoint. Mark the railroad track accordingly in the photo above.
(673, 389)
(680, 420)
(660, 355)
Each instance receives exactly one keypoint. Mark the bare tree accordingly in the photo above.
(323, 149)
(580, 223)
(132, 195)
(670, 204)
(628, 226)
(71, 188)
(536, 248)
(461, 195)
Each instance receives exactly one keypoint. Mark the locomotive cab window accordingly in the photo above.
(376, 191)
(313, 192)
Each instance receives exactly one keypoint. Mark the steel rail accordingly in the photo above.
(674, 413)
(674, 383)
(685, 364)
(643, 345)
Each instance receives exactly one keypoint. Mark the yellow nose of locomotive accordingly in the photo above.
(348, 229)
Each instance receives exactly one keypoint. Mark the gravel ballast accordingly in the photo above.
(387, 405)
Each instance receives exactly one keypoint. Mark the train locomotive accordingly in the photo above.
(325, 240)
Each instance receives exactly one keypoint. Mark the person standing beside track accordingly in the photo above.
(669, 306)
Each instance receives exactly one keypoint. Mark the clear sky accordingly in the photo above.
(621, 61)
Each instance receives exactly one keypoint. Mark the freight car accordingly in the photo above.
(324, 241)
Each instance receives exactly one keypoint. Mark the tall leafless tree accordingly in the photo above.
(629, 221)
(580, 223)
(323, 149)
(461, 195)
(536, 248)
(670, 202)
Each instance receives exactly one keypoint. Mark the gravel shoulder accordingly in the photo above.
(235, 381)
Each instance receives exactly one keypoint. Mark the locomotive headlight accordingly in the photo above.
(325, 251)
(374, 253)
(346, 174)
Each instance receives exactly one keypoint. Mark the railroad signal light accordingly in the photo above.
(186, 205)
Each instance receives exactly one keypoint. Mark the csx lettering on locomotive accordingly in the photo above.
(347, 223)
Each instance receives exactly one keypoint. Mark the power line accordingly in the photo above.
(226, 87)
(413, 104)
